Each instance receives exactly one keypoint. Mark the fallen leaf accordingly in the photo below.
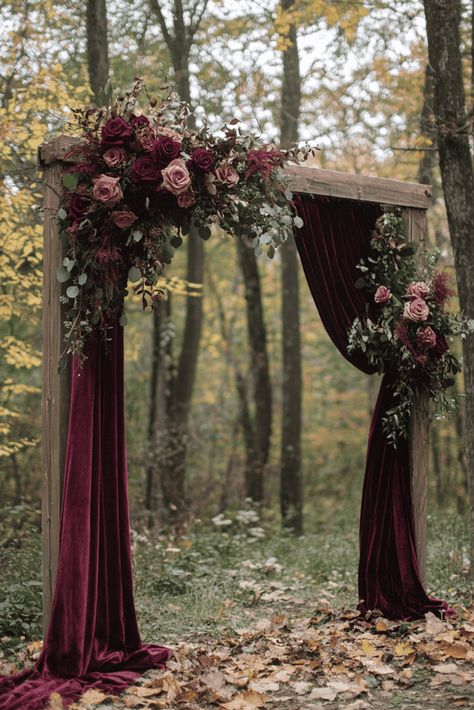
(323, 694)
(248, 700)
(403, 649)
(93, 696)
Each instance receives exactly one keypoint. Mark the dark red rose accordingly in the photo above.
(78, 207)
(202, 160)
(116, 132)
(165, 150)
(440, 348)
(145, 170)
(139, 122)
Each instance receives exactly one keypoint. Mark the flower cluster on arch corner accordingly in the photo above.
(139, 183)
(407, 328)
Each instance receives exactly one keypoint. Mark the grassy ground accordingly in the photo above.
(241, 588)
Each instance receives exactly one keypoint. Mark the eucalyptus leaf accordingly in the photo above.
(82, 278)
(176, 242)
(134, 274)
(137, 235)
(72, 291)
(62, 274)
(62, 214)
(204, 233)
(298, 222)
(70, 181)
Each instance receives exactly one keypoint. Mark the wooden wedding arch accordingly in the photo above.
(412, 198)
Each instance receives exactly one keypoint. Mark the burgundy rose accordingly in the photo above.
(165, 150)
(78, 207)
(426, 338)
(139, 122)
(382, 294)
(202, 160)
(114, 157)
(145, 170)
(116, 132)
(416, 310)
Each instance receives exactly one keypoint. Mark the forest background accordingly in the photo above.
(229, 348)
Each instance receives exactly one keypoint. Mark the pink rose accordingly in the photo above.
(114, 157)
(416, 310)
(382, 295)
(227, 174)
(124, 218)
(107, 190)
(186, 199)
(418, 289)
(426, 338)
(176, 178)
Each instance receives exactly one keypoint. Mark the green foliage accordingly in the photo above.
(20, 559)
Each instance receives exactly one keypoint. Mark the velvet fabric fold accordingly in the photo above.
(93, 638)
(335, 236)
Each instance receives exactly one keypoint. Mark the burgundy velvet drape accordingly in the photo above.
(335, 236)
(93, 638)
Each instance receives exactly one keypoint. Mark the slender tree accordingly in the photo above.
(97, 47)
(455, 159)
(257, 428)
(290, 464)
(179, 23)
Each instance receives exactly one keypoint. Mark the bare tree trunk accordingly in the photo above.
(179, 40)
(257, 440)
(97, 47)
(291, 484)
(444, 45)
(427, 129)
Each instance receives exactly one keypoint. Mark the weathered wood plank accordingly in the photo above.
(55, 394)
(333, 183)
(308, 180)
(415, 221)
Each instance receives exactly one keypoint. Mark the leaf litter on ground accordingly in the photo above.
(328, 659)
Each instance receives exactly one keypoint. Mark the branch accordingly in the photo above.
(156, 7)
(194, 25)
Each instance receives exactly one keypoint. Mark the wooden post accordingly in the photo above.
(55, 394)
(419, 427)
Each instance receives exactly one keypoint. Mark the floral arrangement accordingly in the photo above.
(139, 183)
(407, 327)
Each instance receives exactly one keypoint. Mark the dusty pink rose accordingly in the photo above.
(382, 295)
(176, 178)
(114, 157)
(209, 180)
(186, 199)
(416, 310)
(418, 289)
(227, 174)
(124, 218)
(107, 190)
(426, 338)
